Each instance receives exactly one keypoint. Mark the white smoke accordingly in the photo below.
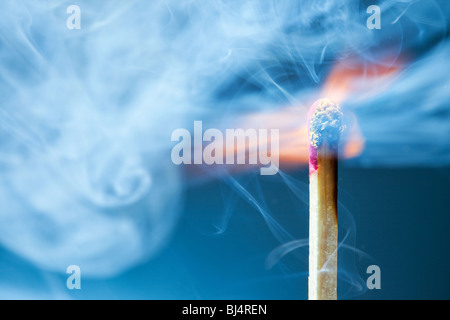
(86, 115)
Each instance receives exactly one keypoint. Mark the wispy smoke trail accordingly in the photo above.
(81, 137)
(409, 124)
(86, 115)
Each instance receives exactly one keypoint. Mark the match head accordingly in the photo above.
(325, 122)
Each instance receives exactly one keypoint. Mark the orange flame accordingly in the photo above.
(361, 81)
(347, 78)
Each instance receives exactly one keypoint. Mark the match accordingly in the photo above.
(325, 124)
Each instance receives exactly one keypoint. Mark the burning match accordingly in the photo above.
(325, 125)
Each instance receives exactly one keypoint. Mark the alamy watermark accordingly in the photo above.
(374, 21)
(235, 146)
(74, 20)
(374, 280)
(74, 280)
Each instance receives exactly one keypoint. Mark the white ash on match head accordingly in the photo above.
(325, 123)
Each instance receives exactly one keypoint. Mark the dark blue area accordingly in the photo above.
(401, 218)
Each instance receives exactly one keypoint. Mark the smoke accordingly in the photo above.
(86, 115)
(81, 137)
(409, 124)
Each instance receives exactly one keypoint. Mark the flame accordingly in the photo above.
(363, 80)
(347, 78)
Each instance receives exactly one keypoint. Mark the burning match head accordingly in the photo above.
(325, 122)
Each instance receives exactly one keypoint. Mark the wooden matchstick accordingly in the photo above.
(325, 124)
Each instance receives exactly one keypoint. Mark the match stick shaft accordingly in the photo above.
(323, 228)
